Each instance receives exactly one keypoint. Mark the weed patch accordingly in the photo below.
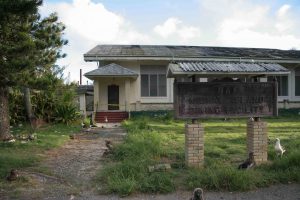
(158, 140)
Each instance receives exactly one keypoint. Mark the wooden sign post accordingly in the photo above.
(194, 100)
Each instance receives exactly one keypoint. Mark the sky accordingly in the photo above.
(231, 23)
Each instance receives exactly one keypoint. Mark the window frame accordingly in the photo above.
(297, 74)
(149, 70)
(287, 86)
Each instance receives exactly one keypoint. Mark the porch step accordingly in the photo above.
(112, 117)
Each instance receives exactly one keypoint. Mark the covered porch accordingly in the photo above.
(112, 91)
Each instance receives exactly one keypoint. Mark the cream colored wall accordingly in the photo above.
(135, 100)
(136, 84)
(101, 99)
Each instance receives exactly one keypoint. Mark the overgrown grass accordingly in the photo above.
(18, 155)
(161, 140)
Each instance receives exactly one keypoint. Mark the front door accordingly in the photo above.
(113, 97)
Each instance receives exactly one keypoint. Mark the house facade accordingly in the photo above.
(140, 77)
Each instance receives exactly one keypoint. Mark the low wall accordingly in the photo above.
(288, 104)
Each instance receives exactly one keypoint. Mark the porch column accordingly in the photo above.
(127, 94)
(96, 95)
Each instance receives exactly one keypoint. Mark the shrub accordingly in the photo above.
(87, 122)
(66, 114)
(17, 111)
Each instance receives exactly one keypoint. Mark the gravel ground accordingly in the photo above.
(73, 166)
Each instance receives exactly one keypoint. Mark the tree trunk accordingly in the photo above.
(4, 114)
(28, 107)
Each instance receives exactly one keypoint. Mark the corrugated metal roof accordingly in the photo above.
(172, 52)
(225, 68)
(230, 67)
(111, 70)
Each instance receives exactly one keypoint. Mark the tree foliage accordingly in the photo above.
(29, 47)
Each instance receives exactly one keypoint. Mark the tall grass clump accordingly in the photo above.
(283, 170)
(219, 176)
(130, 173)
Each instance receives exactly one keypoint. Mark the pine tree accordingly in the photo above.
(29, 46)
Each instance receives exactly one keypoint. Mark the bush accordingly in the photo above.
(66, 114)
(87, 122)
(17, 111)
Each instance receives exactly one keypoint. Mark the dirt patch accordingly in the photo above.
(70, 168)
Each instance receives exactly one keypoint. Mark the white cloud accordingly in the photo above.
(254, 25)
(89, 24)
(283, 10)
(284, 20)
(167, 28)
(175, 28)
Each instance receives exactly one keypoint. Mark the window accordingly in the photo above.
(282, 84)
(153, 81)
(297, 81)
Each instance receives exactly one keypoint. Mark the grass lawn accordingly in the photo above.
(161, 139)
(18, 155)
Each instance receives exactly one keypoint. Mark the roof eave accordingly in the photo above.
(92, 58)
(93, 77)
(172, 74)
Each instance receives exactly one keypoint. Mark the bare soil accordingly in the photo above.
(71, 168)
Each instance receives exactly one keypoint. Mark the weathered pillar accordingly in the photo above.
(257, 140)
(194, 145)
(96, 95)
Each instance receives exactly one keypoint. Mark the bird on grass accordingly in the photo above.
(278, 148)
(13, 175)
(248, 163)
(109, 144)
(109, 147)
(198, 194)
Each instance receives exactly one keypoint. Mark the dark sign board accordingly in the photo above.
(226, 99)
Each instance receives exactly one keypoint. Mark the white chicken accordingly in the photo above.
(278, 148)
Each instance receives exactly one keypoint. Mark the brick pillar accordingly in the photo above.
(257, 140)
(194, 145)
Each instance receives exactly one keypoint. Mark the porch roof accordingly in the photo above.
(111, 70)
(225, 68)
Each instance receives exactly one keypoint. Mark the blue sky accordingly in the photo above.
(239, 23)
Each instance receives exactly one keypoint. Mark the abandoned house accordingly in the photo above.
(135, 77)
